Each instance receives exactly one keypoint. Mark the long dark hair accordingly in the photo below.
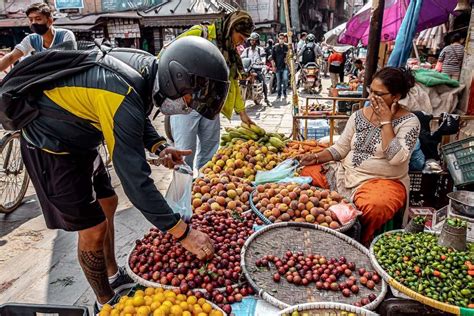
(397, 80)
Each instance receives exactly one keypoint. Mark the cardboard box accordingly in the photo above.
(426, 212)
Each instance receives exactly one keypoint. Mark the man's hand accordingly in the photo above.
(171, 157)
(199, 244)
(245, 118)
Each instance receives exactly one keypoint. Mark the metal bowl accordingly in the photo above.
(462, 202)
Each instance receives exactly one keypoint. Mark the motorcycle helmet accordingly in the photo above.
(254, 36)
(310, 38)
(193, 65)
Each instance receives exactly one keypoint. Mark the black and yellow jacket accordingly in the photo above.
(112, 110)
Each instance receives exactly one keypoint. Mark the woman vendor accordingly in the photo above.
(370, 159)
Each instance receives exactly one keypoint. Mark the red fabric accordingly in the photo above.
(336, 57)
(315, 172)
(378, 200)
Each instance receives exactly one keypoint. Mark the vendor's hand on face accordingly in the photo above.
(172, 157)
(381, 109)
(308, 160)
(199, 244)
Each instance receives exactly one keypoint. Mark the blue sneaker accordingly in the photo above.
(123, 281)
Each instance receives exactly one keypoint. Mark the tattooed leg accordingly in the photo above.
(92, 260)
(109, 206)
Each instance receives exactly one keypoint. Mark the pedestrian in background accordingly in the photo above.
(335, 61)
(451, 57)
(44, 35)
(280, 66)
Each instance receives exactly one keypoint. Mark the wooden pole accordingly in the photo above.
(376, 23)
(291, 61)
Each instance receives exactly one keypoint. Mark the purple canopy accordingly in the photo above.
(433, 13)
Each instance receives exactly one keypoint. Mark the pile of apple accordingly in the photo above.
(242, 159)
(221, 193)
(157, 257)
(299, 203)
(327, 273)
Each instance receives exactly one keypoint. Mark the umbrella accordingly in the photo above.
(432, 13)
(406, 34)
(331, 36)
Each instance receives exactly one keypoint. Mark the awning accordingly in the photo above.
(81, 27)
(175, 13)
(20, 22)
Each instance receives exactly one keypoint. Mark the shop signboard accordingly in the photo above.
(68, 4)
(123, 5)
(262, 10)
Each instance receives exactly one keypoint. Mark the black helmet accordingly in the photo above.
(310, 37)
(254, 36)
(193, 65)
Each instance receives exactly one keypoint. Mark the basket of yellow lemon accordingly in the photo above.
(160, 302)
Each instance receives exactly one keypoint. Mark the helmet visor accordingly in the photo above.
(209, 96)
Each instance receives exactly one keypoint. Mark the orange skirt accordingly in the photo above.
(377, 199)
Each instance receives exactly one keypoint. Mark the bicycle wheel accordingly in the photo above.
(14, 179)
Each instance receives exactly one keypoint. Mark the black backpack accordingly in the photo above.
(26, 81)
(308, 54)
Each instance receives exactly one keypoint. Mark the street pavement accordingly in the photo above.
(38, 265)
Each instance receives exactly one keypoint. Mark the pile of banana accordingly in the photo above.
(253, 132)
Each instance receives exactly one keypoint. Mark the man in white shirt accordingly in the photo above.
(258, 57)
(44, 35)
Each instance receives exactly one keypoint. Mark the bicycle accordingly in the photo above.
(14, 179)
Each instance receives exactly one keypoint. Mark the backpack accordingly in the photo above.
(308, 54)
(25, 82)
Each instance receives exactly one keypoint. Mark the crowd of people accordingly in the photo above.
(195, 80)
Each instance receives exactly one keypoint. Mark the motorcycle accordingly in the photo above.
(250, 87)
(310, 78)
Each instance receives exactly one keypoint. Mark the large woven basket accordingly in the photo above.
(276, 239)
(409, 292)
(266, 221)
(324, 309)
(148, 283)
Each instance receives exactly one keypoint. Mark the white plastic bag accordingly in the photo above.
(179, 192)
(285, 169)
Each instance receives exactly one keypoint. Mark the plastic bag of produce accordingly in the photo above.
(344, 212)
(298, 180)
(179, 192)
(284, 170)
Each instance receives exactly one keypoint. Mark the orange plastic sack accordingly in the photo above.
(345, 212)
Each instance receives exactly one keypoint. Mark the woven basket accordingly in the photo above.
(409, 292)
(266, 221)
(148, 283)
(276, 239)
(323, 309)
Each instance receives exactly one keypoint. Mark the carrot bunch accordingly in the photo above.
(297, 148)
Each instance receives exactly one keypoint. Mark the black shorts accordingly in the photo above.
(68, 186)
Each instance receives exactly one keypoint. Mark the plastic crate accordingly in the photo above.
(16, 309)
(459, 157)
(316, 129)
(430, 189)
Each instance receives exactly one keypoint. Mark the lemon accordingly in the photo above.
(123, 299)
(159, 312)
(107, 307)
(176, 310)
(165, 309)
(202, 314)
(184, 305)
(181, 297)
(143, 311)
(129, 310)
(140, 293)
(129, 302)
(167, 303)
(115, 312)
(202, 301)
(104, 313)
(186, 313)
(169, 293)
(197, 309)
(160, 297)
(154, 306)
(138, 301)
(206, 308)
(148, 300)
(159, 290)
(149, 291)
(192, 300)
(216, 313)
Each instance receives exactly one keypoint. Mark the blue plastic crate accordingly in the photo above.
(316, 128)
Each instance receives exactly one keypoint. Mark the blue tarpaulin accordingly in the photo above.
(405, 36)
